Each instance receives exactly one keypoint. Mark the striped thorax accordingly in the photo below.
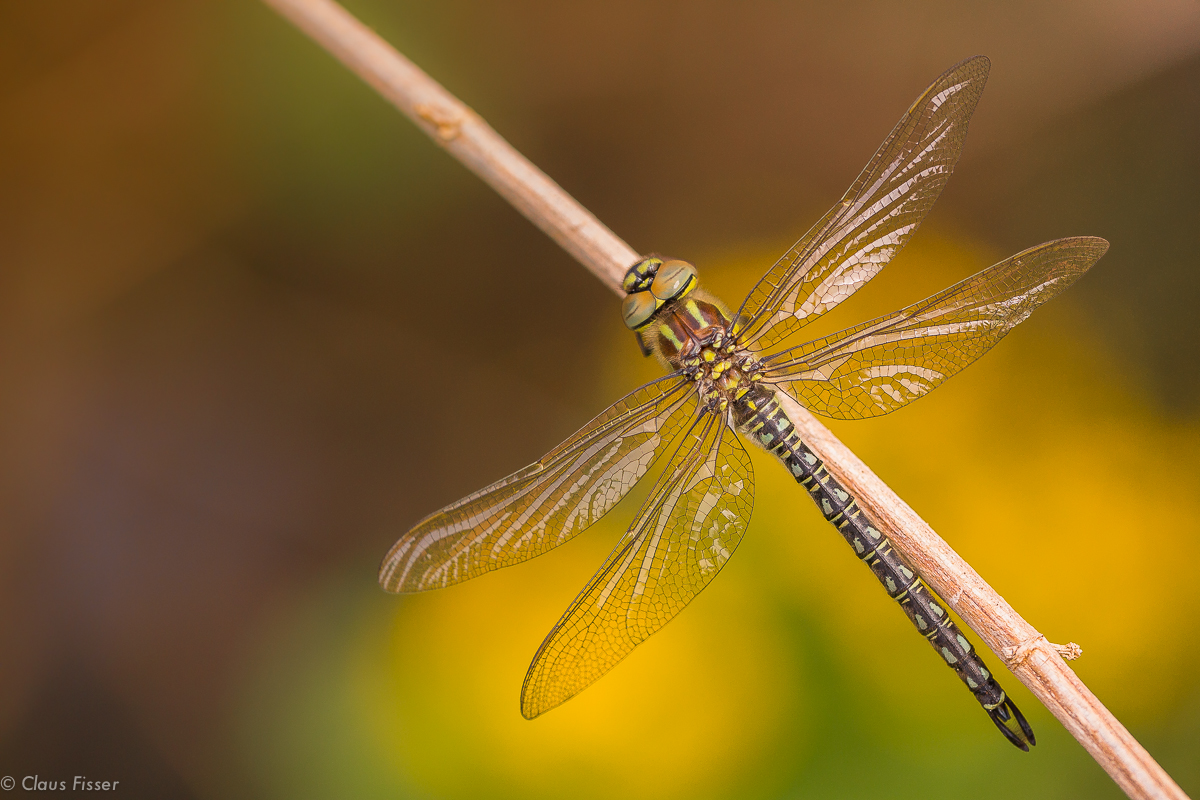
(690, 332)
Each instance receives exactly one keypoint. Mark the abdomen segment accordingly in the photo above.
(766, 423)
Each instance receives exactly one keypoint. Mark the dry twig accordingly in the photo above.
(1036, 662)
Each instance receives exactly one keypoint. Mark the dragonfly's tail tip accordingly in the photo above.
(1012, 724)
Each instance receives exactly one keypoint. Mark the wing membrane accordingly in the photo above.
(548, 502)
(680, 539)
(876, 216)
(881, 365)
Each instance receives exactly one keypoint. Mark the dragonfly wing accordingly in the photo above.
(881, 365)
(876, 216)
(543, 505)
(681, 537)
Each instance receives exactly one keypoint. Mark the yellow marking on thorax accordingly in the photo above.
(669, 335)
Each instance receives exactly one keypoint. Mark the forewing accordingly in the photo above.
(883, 364)
(680, 539)
(548, 502)
(876, 216)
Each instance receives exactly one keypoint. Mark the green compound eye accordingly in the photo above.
(641, 275)
(674, 279)
(638, 309)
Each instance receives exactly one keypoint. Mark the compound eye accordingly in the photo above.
(638, 309)
(674, 279)
(641, 275)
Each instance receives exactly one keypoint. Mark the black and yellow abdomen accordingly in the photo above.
(760, 417)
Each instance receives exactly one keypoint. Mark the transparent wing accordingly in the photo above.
(875, 217)
(547, 503)
(881, 365)
(680, 539)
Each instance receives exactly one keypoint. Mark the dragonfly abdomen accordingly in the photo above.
(760, 416)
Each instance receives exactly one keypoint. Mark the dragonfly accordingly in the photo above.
(725, 377)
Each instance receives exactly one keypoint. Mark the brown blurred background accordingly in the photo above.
(253, 324)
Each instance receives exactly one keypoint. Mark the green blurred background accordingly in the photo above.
(253, 324)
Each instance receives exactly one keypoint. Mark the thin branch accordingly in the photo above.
(462, 132)
(1035, 661)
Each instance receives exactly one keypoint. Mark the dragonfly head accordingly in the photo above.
(650, 284)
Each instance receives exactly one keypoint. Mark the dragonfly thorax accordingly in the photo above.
(724, 373)
(688, 330)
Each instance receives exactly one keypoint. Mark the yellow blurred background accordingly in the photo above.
(253, 325)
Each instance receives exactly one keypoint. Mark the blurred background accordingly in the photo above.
(253, 325)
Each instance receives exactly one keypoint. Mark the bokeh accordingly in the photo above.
(253, 324)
